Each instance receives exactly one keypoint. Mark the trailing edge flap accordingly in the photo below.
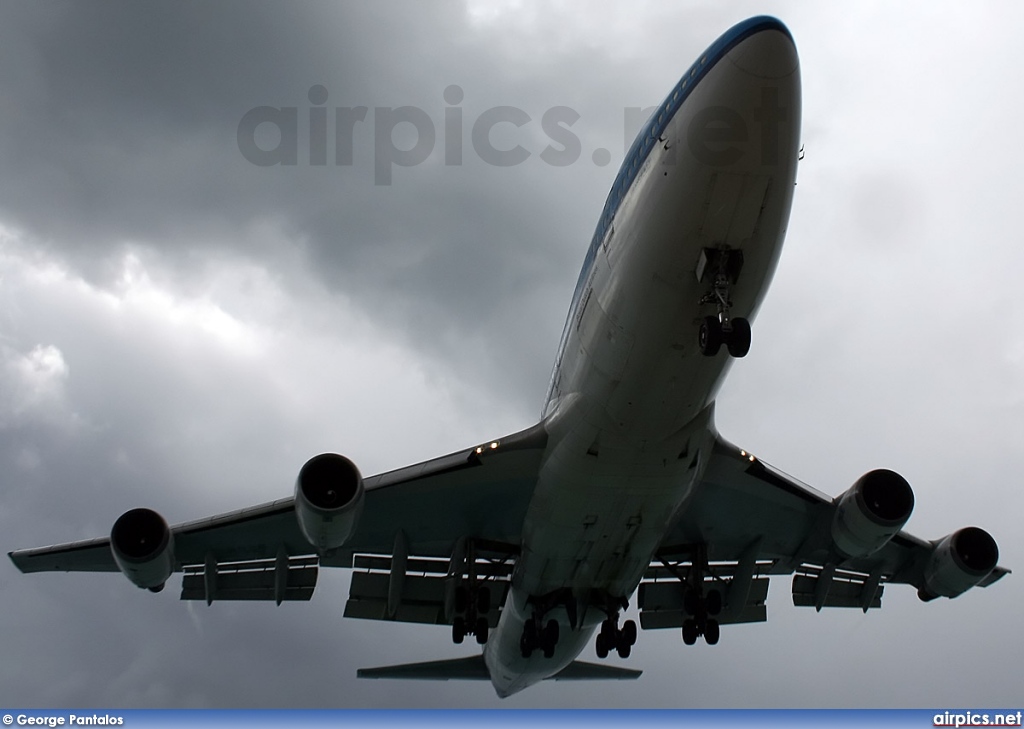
(473, 669)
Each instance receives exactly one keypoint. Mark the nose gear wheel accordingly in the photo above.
(722, 266)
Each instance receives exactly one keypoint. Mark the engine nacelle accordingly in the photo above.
(143, 548)
(328, 500)
(958, 563)
(871, 512)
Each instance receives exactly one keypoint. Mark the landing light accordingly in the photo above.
(494, 444)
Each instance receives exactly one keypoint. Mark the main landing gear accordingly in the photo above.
(612, 637)
(722, 266)
(475, 592)
(702, 603)
(539, 635)
(472, 603)
(703, 609)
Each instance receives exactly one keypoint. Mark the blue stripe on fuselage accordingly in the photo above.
(649, 134)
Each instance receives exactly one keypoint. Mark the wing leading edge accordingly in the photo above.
(480, 493)
(748, 521)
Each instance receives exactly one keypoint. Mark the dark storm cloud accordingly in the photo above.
(124, 119)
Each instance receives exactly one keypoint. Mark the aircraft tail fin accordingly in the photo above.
(474, 669)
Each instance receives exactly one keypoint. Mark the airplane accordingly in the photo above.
(535, 542)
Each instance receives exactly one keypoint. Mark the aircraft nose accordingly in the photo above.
(769, 54)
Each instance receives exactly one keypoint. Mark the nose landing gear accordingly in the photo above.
(722, 266)
(714, 333)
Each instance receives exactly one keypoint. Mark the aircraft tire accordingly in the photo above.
(712, 632)
(710, 336)
(629, 632)
(739, 338)
(714, 602)
(689, 631)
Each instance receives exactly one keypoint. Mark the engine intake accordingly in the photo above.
(143, 548)
(871, 512)
(958, 563)
(328, 500)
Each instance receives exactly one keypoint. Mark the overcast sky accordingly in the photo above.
(181, 328)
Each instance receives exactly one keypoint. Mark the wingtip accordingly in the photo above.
(14, 559)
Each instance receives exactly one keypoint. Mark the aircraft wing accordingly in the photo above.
(480, 493)
(752, 521)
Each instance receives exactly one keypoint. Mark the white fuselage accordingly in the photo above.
(629, 412)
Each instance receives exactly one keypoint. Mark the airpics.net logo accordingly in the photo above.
(974, 718)
(269, 136)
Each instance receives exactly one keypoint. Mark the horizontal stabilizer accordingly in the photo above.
(474, 669)
(456, 669)
(581, 671)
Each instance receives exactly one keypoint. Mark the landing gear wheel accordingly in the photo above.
(481, 630)
(710, 336)
(602, 646)
(738, 340)
(689, 631)
(550, 639)
(712, 632)
(529, 640)
(713, 602)
(458, 630)
(623, 646)
(461, 598)
(629, 632)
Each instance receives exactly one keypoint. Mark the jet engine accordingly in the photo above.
(958, 563)
(328, 500)
(871, 512)
(143, 548)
